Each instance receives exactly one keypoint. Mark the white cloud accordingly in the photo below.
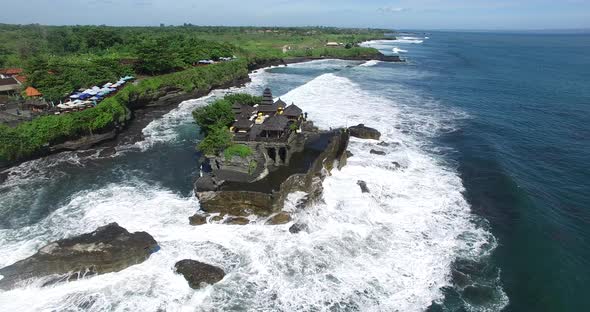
(389, 9)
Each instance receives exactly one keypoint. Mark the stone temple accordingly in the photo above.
(271, 126)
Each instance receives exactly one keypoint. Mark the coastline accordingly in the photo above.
(144, 113)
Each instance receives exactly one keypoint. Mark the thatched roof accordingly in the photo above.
(280, 103)
(266, 97)
(267, 108)
(243, 123)
(292, 111)
(275, 123)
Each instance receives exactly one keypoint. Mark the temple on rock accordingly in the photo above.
(270, 125)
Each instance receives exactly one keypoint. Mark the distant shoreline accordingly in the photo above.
(132, 132)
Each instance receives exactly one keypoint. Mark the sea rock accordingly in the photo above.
(376, 152)
(217, 218)
(237, 221)
(107, 152)
(298, 227)
(349, 154)
(109, 248)
(396, 165)
(197, 219)
(205, 183)
(383, 143)
(3, 176)
(363, 132)
(279, 218)
(198, 274)
(363, 186)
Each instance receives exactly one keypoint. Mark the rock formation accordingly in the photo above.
(363, 186)
(109, 248)
(377, 152)
(279, 218)
(363, 132)
(197, 219)
(199, 274)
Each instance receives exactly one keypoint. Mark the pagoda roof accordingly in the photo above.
(292, 111)
(275, 123)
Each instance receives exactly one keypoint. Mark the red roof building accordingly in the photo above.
(32, 92)
(11, 71)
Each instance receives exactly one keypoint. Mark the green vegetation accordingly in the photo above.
(214, 120)
(61, 59)
(240, 150)
(30, 138)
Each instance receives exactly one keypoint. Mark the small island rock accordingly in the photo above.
(109, 248)
(279, 218)
(197, 219)
(376, 152)
(298, 227)
(363, 186)
(198, 273)
(363, 132)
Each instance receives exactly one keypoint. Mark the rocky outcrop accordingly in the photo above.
(377, 152)
(197, 219)
(236, 203)
(84, 142)
(363, 132)
(244, 203)
(298, 227)
(236, 221)
(109, 248)
(199, 274)
(279, 218)
(363, 185)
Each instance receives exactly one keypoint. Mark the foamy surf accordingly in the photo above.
(397, 50)
(390, 249)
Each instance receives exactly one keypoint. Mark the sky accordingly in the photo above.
(401, 14)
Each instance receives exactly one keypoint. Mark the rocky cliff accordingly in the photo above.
(243, 203)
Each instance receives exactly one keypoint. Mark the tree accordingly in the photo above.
(155, 57)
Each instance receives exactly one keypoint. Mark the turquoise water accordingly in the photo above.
(523, 153)
(487, 212)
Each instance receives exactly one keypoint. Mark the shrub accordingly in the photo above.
(237, 150)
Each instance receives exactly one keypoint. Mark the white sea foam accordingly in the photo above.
(369, 63)
(390, 249)
(397, 50)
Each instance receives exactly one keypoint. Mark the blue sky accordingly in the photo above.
(402, 14)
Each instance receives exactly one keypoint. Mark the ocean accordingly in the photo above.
(479, 204)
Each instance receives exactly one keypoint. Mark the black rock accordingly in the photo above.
(377, 152)
(383, 143)
(205, 184)
(363, 186)
(107, 152)
(349, 154)
(199, 274)
(396, 165)
(363, 132)
(109, 248)
(3, 176)
(298, 227)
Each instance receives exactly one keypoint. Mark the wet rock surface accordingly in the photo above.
(237, 221)
(197, 219)
(363, 132)
(279, 218)
(109, 248)
(199, 274)
(377, 152)
(363, 185)
(298, 227)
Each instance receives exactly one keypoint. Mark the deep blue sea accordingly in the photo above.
(480, 203)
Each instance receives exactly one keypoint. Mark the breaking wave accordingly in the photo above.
(390, 249)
